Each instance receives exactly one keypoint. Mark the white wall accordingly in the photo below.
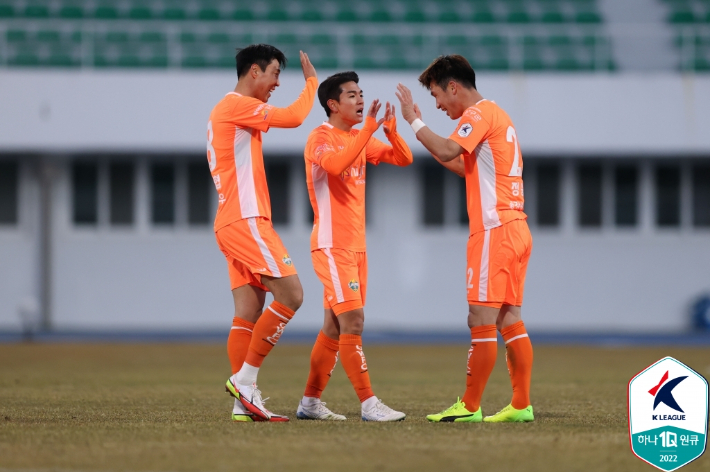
(88, 110)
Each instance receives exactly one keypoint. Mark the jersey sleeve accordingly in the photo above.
(293, 115)
(334, 161)
(471, 130)
(249, 112)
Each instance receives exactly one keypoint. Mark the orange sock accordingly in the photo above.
(355, 365)
(238, 342)
(519, 356)
(324, 356)
(481, 359)
(267, 331)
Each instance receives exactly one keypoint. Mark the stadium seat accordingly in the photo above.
(415, 16)
(518, 16)
(552, 16)
(209, 14)
(187, 37)
(242, 14)
(194, 62)
(311, 15)
(217, 38)
(326, 63)
(24, 59)
(278, 14)
(47, 36)
(71, 11)
(7, 11)
(322, 39)
(380, 16)
(36, 11)
(681, 16)
(116, 37)
(152, 37)
(16, 36)
(173, 13)
(587, 17)
(140, 13)
(106, 12)
(483, 16)
(449, 17)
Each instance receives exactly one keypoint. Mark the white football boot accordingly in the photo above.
(378, 411)
(314, 409)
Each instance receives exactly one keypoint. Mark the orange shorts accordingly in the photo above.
(344, 277)
(497, 260)
(253, 249)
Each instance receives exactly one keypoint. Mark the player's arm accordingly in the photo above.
(398, 152)
(456, 165)
(293, 115)
(335, 162)
(445, 149)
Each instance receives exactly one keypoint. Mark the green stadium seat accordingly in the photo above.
(140, 13)
(346, 16)
(218, 38)
(76, 37)
(71, 11)
(278, 15)
(48, 36)
(116, 37)
(552, 16)
(209, 14)
(682, 16)
(498, 63)
(397, 62)
(326, 63)
(415, 16)
(187, 37)
(284, 39)
(568, 64)
(449, 17)
(456, 40)
(62, 60)
(533, 63)
(106, 13)
(559, 41)
(380, 16)
(156, 61)
(36, 11)
(226, 62)
(322, 39)
(492, 40)
(587, 17)
(152, 37)
(483, 16)
(518, 16)
(364, 63)
(7, 11)
(173, 13)
(24, 59)
(195, 62)
(128, 60)
(16, 36)
(243, 15)
(701, 65)
(242, 39)
(387, 40)
(360, 39)
(311, 15)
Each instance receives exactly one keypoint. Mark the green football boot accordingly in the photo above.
(245, 418)
(457, 413)
(511, 415)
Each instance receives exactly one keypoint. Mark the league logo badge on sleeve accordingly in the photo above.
(668, 414)
(465, 130)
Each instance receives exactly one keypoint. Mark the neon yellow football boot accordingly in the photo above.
(457, 413)
(512, 415)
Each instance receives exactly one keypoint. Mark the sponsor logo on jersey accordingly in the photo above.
(465, 130)
(274, 338)
(354, 285)
(287, 260)
(217, 181)
(668, 414)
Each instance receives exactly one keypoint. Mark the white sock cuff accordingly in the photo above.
(247, 374)
(369, 403)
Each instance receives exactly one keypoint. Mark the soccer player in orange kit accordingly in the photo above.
(484, 149)
(336, 156)
(257, 259)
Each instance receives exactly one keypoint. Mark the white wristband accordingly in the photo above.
(417, 125)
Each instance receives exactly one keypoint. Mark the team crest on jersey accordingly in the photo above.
(354, 285)
(465, 130)
(287, 260)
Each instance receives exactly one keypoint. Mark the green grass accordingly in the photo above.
(163, 408)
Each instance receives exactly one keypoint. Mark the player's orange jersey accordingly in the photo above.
(335, 174)
(494, 166)
(235, 155)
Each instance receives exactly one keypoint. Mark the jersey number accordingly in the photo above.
(516, 170)
(469, 285)
(211, 155)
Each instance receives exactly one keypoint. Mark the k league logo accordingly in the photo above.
(668, 414)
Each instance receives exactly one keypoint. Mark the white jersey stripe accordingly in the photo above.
(245, 173)
(485, 340)
(516, 337)
(483, 275)
(241, 327)
(278, 314)
(487, 183)
(334, 276)
(322, 192)
(270, 261)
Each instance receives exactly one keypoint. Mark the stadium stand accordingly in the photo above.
(526, 35)
(691, 23)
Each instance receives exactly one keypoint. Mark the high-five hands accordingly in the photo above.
(308, 69)
(410, 110)
(390, 123)
(374, 108)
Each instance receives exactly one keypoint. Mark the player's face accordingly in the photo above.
(351, 103)
(446, 101)
(267, 81)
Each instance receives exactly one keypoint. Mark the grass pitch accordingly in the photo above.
(163, 408)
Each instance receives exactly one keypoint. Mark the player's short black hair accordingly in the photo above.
(260, 54)
(331, 88)
(444, 69)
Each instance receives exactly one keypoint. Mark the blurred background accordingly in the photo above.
(106, 202)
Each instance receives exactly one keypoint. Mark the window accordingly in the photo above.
(701, 195)
(668, 196)
(199, 189)
(163, 193)
(433, 194)
(9, 176)
(85, 192)
(626, 194)
(121, 194)
(548, 195)
(278, 175)
(590, 195)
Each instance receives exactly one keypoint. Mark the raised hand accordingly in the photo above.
(372, 111)
(308, 69)
(410, 110)
(390, 123)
